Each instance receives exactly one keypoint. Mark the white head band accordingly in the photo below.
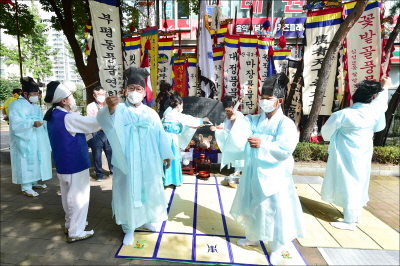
(60, 93)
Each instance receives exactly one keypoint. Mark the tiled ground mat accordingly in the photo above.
(200, 230)
(335, 256)
(371, 233)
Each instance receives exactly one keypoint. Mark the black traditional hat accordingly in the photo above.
(275, 85)
(135, 75)
(228, 101)
(29, 85)
(366, 90)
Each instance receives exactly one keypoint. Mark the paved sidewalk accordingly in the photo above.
(32, 228)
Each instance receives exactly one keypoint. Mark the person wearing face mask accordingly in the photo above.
(140, 147)
(15, 95)
(99, 142)
(350, 132)
(67, 132)
(221, 135)
(29, 143)
(180, 129)
(266, 204)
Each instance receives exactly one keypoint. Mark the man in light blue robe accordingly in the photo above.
(350, 132)
(140, 147)
(266, 202)
(29, 143)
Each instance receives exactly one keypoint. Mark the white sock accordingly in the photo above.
(150, 227)
(275, 258)
(245, 242)
(344, 226)
(32, 192)
(128, 239)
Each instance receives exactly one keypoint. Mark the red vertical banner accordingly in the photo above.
(179, 69)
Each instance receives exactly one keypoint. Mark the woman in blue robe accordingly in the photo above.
(180, 129)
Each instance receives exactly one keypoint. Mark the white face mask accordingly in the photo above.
(33, 99)
(101, 99)
(135, 97)
(73, 106)
(267, 105)
(180, 108)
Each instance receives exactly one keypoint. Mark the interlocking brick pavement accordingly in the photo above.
(32, 228)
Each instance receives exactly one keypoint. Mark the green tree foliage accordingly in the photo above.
(7, 85)
(34, 51)
(25, 18)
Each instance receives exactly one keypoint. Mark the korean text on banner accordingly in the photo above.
(192, 76)
(165, 53)
(218, 54)
(321, 26)
(107, 40)
(263, 44)
(294, 111)
(151, 34)
(179, 68)
(364, 45)
(132, 52)
(231, 70)
(248, 72)
(281, 60)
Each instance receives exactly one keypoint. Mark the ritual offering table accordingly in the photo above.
(188, 169)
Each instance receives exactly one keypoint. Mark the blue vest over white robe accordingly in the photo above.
(266, 202)
(139, 145)
(348, 170)
(29, 146)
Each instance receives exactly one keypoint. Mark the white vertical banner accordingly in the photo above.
(364, 46)
(248, 72)
(107, 41)
(132, 50)
(218, 54)
(281, 60)
(231, 70)
(321, 26)
(263, 46)
(165, 53)
(192, 75)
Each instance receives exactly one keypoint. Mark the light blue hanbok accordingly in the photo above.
(266, 202)
(177, 126)
(29, 146)
(221, 136)
(139, 145)
(350, 132)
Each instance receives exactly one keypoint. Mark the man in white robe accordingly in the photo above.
(221, 135)
(266, 203)
(140, 147)
(29, 143)
(350, 132)
(67, 132)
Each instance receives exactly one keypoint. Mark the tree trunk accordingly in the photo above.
(293, 86)
(90, 72)
(330, 58)
(389, 44)
(380, 137)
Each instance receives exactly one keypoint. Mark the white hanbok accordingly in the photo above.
(266, 203)
(350, 132)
